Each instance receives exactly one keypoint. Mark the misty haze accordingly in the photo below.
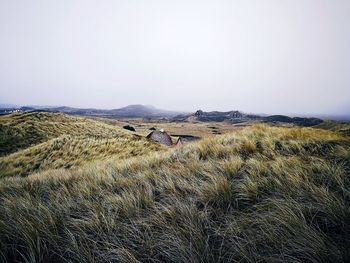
(174, 131)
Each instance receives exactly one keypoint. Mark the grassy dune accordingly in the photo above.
(54, 140)
(261, 194)
(341, 127)
(22, 130)
(72, 151)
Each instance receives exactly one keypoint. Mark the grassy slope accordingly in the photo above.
(261, 194)
(21, 130)
(341, 127)
(47, 145)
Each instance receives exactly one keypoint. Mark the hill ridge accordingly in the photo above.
(236, 116)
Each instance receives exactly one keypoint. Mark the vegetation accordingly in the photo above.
(21, 130)
(341, 127)
(55, 140)
(261, 194)
(72, 151)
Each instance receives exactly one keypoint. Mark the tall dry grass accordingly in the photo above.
(22, 130)
(55, 140)
(340, 127)
(262, 194)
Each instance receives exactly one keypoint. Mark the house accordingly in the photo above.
(160, 136)
(185, 139)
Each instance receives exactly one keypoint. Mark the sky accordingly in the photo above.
(258, 56)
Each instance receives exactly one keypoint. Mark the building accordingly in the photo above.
(161, 137)
(185, 139)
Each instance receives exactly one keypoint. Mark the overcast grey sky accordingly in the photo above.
(271, 56)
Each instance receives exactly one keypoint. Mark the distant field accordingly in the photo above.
(201, 129)
(89, 191)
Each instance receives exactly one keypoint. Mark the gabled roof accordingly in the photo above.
(161, 137)
(186, 138)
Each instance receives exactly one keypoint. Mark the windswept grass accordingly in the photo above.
(262, 194)
(22, 130)
(337, 126)
(71, 152)
(55, 140)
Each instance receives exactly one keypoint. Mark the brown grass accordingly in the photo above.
(262, 194)
(201, 129)
(55, 140)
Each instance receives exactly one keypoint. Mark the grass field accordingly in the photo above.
(200, 129)
(44, 140)
(259, 194)
(340, 127)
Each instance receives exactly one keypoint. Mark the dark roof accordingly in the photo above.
(186, 138)
(128, 127)
(161, 137)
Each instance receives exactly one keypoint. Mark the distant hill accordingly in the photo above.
(150, 112)
(144, 111)
(306, 122)
(131, 111)
(237, 117)
(341, 127)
